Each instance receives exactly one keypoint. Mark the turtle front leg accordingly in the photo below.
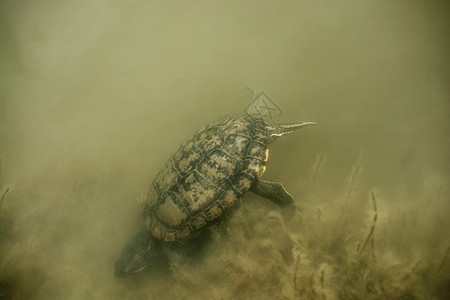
(274, 191)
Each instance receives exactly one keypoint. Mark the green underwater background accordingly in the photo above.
(96, 95)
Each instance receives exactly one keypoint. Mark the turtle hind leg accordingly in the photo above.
(274, 191)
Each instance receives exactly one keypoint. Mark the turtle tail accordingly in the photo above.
(277, 130)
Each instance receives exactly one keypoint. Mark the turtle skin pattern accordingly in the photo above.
(206, 176)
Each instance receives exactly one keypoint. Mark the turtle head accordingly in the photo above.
(136, 254)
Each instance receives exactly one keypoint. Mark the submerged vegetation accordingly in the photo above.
(337, 250)
(354, 245)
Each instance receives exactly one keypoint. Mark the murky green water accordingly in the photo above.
(95, 95)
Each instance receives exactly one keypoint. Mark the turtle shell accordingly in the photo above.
(206, 176)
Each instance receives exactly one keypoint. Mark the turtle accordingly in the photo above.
(201, 181)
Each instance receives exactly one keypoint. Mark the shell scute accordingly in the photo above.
(229, 198)
(198, 222)
(196, 192)
(213, 172)
(167, 177)
(157, 230)
(224, 162)
(214, 211)
(235, 145)
(169, 213)
(243, 183)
